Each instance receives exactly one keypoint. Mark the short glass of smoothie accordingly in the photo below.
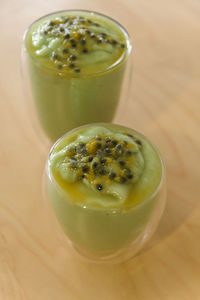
(74, 65)
(105, 188)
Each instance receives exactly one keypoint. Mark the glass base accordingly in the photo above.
(117, 257)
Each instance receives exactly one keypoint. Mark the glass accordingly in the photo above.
(60, 101)
(132, 227)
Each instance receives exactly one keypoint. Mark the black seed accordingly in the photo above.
(118, 147)
(67, 36)
(82, 145)
(90, 158)
(77, 70)
(83, 41)
(99, 41)
(73, 164)
(61, 29)
(51, 23)
(96, 24)
(122, 163)
(98, 138)
(73, 45)
(98, 145)
(104, 34)
(129, 153)
(102, 172)
(94, 165)
(92, 35)
(60, 67)
(125, 142)
(55, 56)
(122, 45)
(88, 31)
(89, 21)
(122, 179)
(85, 51)
(72, 40)
(107, 150)
(45, 32)
(72, 66)
(139, 142)
(130, 135)
(114, 142)
(114, 42)
(127, 170)
(65, 50)
(103, 161)
(112, 175)
(108, 140)
(72, 57)
(83, 176)
(99, 187)
(108, 41)
(129, 176)
(85, 169)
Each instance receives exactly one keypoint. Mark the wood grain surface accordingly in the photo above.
(163, 104)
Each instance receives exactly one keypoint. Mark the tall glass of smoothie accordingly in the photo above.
(106, 188)
(75, 62)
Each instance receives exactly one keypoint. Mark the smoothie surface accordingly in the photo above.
(77, 42)
(105, 166)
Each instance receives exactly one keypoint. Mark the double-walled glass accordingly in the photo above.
(60, 100)
(104, 234)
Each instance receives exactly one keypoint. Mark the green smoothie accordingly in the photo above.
(103, 185)
(76, 62)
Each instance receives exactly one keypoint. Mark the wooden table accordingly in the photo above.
(164, 105)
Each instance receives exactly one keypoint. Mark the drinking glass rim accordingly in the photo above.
(108, 209)
(117, 63)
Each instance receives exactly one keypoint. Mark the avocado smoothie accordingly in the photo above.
(76, 62)
(104, 184)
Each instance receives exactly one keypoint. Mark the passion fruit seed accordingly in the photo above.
(130, 176)
(90, 158)
(122, 163)
(77, 70)
(98, 138)
(102, 171)
(99, 187)
(85, 51)
(129, 152)
(65, 50)
(93, 159)
(71, 66)
(76, 37)
(67, 36)
(138, 142)
(122, 179)
(112, 175)
(54, 55)
(83, 41)
(72, 57)
(103, 161)
(60, 66)
(95, 164)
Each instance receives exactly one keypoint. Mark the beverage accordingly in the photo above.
(105, 185)
(76, 62)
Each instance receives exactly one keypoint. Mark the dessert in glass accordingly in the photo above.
(74, 64)
(106, 188)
